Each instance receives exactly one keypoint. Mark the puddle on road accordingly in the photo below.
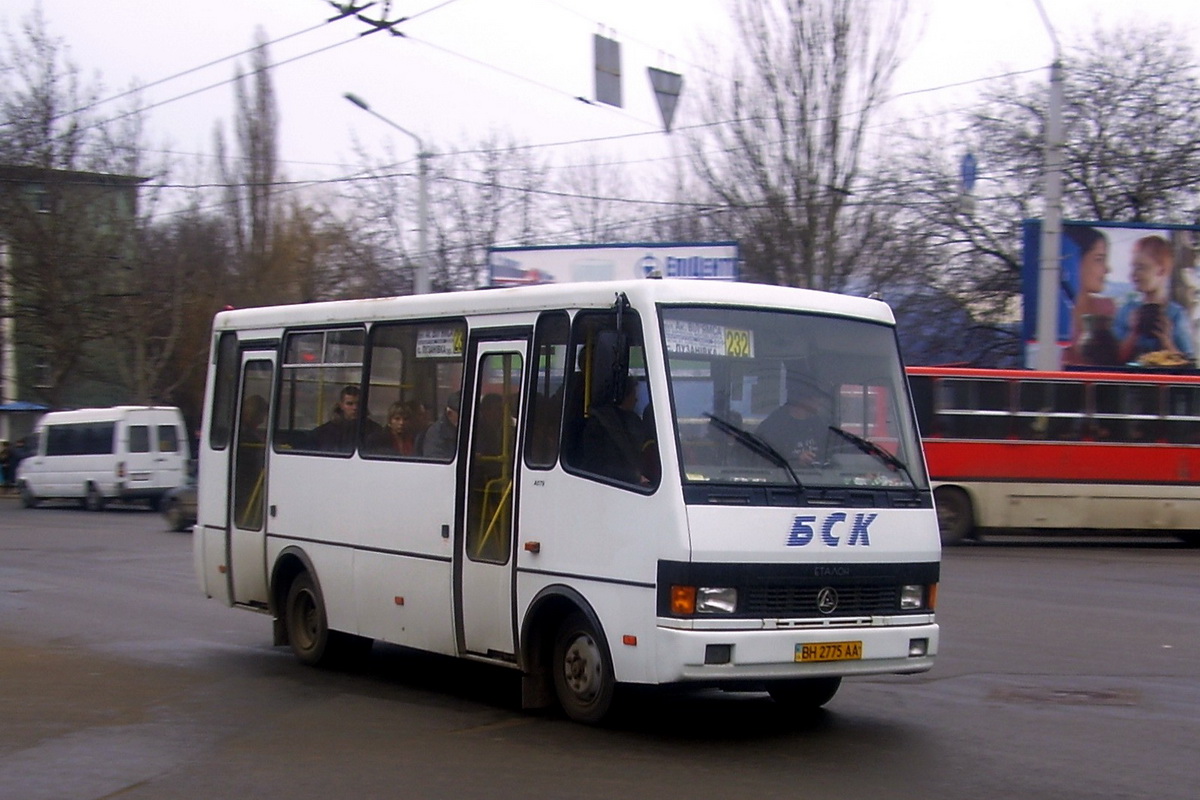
(1066, 697)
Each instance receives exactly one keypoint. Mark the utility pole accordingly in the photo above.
(421, 278)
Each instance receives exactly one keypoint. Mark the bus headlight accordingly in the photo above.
(688, 600)
(912, 597)
(711, 600)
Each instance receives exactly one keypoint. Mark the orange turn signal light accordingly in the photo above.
(683, 600)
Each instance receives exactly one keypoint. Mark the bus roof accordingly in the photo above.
(547, 296)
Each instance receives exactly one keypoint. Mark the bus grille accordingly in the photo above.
(801, 601)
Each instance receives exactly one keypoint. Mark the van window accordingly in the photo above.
(80, 439)
(168, 439)
(139, 439)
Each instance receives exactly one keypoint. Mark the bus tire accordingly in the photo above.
(956, 517)
(93, 500)
(307, 626)
(583, 671)
(804, 694)
(28, 498)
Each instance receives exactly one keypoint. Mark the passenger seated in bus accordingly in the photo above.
(399, 436)
(337, 435)
(440, 440)
(799, 429)
(616, 443)
(420, 418)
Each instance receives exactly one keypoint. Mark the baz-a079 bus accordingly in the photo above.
(576, 482)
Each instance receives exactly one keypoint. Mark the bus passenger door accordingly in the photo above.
(484, 546)
(245, 525)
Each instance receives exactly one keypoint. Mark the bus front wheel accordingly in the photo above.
(956, 518)
(583, 673)
(804, 694)
(307, 627)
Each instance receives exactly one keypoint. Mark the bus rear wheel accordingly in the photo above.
(804, 694)
(583, 673)
(956, 517)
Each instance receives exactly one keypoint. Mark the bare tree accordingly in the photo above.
(250, 176)
(68, 205)
(784, 143)
(483, 195)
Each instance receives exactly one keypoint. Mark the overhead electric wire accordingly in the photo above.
(202, 89)
(186, 72)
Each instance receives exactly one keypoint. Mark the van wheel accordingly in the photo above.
(583, 673)
(92, 499)
(956, 517)
(174, 515)
(28, 498)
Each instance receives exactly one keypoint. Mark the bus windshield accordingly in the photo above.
(777, 397)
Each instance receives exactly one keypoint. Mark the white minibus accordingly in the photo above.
(94, 455)
(654, 482)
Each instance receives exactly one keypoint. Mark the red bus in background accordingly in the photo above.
(1060, 450)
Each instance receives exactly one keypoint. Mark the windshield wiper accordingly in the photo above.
(756, 444)
(871, 448)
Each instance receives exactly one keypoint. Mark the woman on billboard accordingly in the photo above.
(1092, 339)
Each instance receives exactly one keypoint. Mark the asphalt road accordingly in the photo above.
(1068, 669)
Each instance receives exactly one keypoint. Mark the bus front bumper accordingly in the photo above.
(719, 656)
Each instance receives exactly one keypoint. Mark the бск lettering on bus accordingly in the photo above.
(648, 482)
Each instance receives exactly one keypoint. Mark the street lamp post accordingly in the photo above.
(421, 281)
(1050, 266)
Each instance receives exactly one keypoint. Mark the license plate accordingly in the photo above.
(829, 651)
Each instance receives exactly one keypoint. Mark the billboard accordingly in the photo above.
(1129, 294)
(516, 266)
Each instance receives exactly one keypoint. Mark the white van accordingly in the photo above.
(101, 454)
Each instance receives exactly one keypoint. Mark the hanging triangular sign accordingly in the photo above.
(667, 86)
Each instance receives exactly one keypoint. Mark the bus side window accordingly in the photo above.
(547, 390)
(629, 402)
(1183, 414)
(321, 374)
(224, 391)
(921, 387)
(1140, 403)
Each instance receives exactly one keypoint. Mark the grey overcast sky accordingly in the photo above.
(468, 67)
